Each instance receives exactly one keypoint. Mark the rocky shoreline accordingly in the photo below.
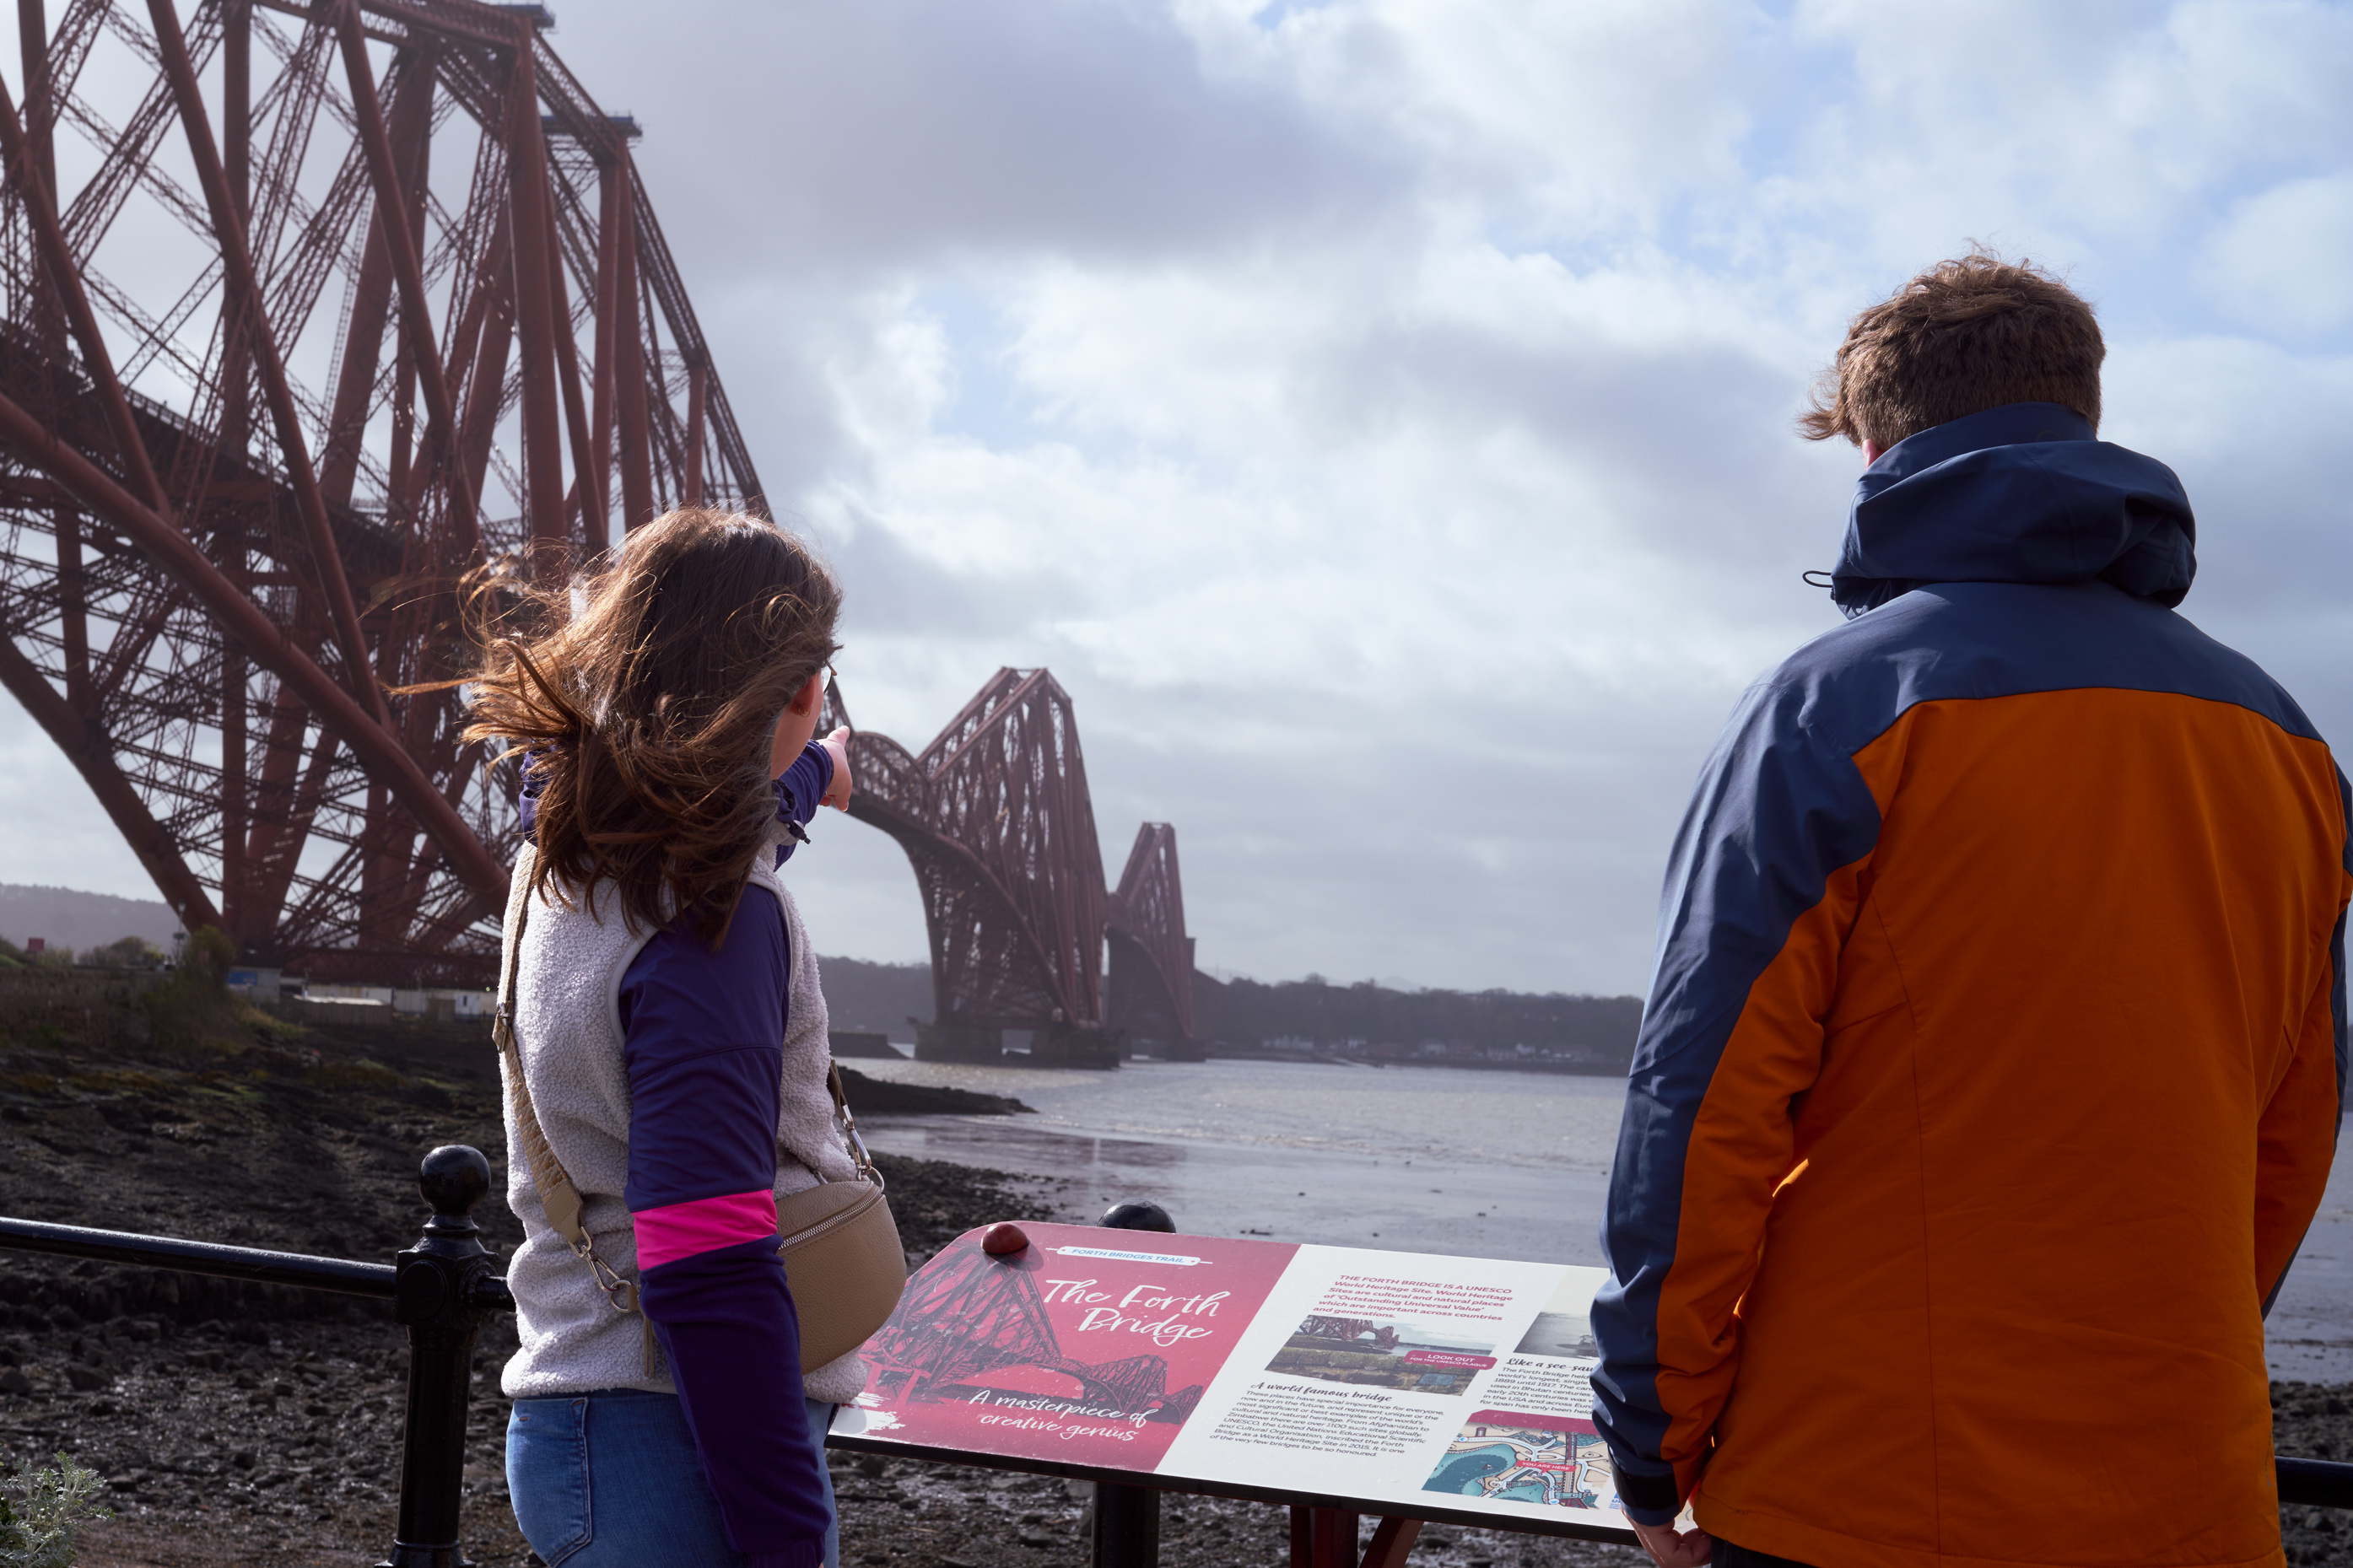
(251, 1426)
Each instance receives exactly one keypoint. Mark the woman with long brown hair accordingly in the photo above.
(671, 1037)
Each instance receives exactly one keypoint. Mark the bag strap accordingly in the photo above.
(867, 1171)
(557, 1195)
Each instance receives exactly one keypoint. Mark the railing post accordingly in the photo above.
(1127, 1519)
(442, 1292)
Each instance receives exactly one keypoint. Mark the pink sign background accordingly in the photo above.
(1091, 1346)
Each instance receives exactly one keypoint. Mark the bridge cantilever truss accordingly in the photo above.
(1151, 957)
(306, 310)
(996, 821)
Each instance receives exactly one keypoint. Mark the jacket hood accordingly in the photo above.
(2021, 493)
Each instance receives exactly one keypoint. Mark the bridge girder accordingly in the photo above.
(997, 823)
(231, 521)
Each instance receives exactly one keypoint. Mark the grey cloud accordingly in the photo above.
(893, 591)
(1471, 846)
(895, 132)
(1697, 438)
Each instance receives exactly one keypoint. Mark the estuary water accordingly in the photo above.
(1470, 1163)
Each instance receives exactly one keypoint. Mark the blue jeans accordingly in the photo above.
(1727, 1556)
(611, 1480)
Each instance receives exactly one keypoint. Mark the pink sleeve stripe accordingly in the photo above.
(674, 1231)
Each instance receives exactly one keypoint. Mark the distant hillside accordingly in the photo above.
(882, 998)
(1598, 1029)
(1241, 1012)
(63, 917)
(858, 995)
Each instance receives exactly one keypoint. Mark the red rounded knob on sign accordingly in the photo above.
(1002, 1238)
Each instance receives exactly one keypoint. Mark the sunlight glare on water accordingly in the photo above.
(1421, 1159)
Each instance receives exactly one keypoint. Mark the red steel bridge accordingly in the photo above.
(305, 310)
(996, 821)
(308, 310)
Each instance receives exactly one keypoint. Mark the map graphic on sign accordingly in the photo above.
(1553, 1460)
(1427, 1385)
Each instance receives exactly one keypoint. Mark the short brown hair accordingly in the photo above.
(647, 716)
(1967, 336)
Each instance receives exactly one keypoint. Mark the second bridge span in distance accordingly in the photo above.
(995, 818)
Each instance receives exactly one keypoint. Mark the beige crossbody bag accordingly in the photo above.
(840, 1245)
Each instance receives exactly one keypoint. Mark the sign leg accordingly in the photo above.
(1127, 1527)
(1391, 1540)
(1302, 1537)
(1336, 1539)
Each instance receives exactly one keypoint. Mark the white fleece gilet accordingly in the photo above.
(567, 1023)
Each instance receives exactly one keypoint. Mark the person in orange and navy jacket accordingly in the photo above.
(1994, 1055)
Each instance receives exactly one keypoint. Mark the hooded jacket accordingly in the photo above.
(1995, 1052)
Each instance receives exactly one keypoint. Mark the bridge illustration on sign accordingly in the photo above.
(970, 1324)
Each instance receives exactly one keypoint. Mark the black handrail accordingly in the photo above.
(2315, 1483)
(442, 1290)
(212, 1257)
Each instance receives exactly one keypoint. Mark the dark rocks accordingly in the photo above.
(259, 1425)
(2311, 1421)
(881, 1097)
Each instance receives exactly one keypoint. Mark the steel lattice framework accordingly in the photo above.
(1151, 991)
(996, 819)
(308, 310)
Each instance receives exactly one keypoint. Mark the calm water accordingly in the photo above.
(1484, 1165)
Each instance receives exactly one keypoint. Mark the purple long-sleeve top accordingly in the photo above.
(703, 1035)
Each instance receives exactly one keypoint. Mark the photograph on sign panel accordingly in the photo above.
(1397, 1353)
(1565, 1326)
(1517, 1456)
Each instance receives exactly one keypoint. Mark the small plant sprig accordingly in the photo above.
(49, 1509)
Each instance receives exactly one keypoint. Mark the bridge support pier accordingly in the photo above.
(1063, 1046)
(957, 1043)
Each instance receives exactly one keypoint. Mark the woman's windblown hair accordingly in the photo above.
(644, 696)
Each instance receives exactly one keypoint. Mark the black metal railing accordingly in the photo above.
(2314, 1483)
(442, 1290)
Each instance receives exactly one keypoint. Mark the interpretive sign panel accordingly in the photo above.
(1405, 1383)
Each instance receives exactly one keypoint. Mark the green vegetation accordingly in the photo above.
(126, 953)
(43, 1513)
(195, 1011)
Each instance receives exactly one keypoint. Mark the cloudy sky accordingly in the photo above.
(1378, 413)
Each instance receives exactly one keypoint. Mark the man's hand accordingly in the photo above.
(1671, 1548)
(836, 745)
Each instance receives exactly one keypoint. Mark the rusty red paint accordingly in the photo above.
(206, 623)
